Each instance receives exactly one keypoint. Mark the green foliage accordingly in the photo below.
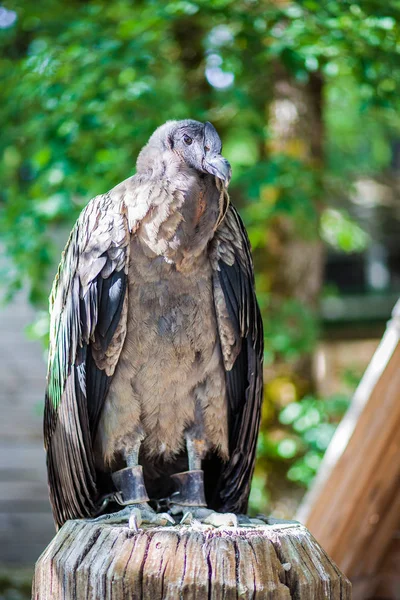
(279, 186)
(297, 443)
(296, 338)
(341, 232)
(76, 103)
(312, 422)
(359, 132)
(84, 84)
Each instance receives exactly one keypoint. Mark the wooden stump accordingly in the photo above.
(280, 560)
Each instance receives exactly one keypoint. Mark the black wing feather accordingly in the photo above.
(228, 485)
(86, 311)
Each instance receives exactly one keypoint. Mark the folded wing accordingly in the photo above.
(88, 307)
(241, 336)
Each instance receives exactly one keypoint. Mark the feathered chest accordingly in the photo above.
(175, 302)
(173, 313)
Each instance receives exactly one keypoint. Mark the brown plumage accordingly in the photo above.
(155, 331)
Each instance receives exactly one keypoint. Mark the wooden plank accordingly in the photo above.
(353, 507)
(380, 539)
(377, 514)
(358, 472)
(388, 585)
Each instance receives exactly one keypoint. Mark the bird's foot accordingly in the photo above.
(245, 521)
(134, 515)
(206, 516)
(200, 514)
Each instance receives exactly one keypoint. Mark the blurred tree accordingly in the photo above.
(289, 84)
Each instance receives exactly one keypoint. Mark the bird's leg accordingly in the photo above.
(196, 450)
(189, 498)
(131, 494)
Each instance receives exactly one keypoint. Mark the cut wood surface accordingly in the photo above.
(354, 507)
(279, 560)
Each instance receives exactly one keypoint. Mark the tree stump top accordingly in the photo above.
(280, 560)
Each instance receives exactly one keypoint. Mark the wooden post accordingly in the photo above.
(279, 560)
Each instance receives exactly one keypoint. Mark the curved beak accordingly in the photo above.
(218, 165)
(214, 163)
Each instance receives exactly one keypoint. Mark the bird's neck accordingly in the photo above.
(182, 211)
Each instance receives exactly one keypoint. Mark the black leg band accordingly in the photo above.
(190, 489)
(130, 485)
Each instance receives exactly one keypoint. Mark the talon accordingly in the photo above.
(221, 520)
(167, 518)
(206, 516)
(133, 523)
(135, 520)
(186, 519)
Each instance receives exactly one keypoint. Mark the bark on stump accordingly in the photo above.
(280, 560)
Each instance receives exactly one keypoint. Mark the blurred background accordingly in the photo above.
(305, 96)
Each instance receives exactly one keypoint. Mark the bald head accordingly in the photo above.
(192, 143)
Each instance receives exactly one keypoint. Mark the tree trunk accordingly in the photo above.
(294, 250)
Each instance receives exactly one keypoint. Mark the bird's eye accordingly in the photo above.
(188, 140)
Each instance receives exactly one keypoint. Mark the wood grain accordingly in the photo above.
(354, 506)
(279, 560)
